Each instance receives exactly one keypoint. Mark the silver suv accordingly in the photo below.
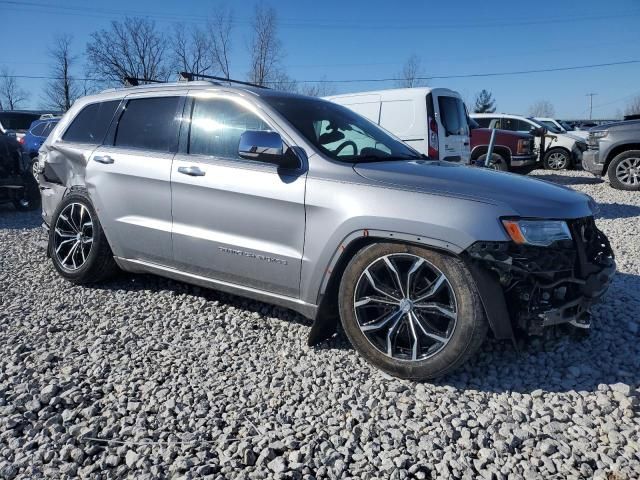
(303, 203)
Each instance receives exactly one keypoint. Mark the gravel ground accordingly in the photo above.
(148, 378)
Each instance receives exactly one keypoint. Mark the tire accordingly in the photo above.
(624, 171)
(460, 335)
(92, 260)
(497, 162)
(27, 199)
(557, 159)
(34, 167)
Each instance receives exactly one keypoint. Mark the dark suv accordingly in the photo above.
(614, 150)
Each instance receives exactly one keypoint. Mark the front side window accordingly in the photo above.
(453, 115)
(91, 124)
(149, 124)
(218, 123)
(338, 132)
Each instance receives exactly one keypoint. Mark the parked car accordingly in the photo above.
(431, 120)
(17, 184)
(561, 150)
(16, 123)
(558, 127)
(614, 150)
(302, 202)
(36, 135)
(511, 151)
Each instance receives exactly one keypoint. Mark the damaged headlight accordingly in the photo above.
(541, 233)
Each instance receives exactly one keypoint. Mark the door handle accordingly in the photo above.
(192, 171)
(106, 159)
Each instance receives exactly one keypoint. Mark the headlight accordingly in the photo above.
(598, 134)
(541, 233)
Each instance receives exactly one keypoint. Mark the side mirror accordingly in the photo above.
(267, 147)
(538, 131)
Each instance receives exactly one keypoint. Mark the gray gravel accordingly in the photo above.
(148, 378)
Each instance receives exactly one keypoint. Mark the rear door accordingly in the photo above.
(454, 131)
(128, 177)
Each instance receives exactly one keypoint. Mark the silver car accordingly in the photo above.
(303, 203)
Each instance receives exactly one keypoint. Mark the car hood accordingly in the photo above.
(525, 196)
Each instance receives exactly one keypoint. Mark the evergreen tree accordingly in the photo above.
(484, 102)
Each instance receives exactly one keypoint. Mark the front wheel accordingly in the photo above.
(497, 162)
(624, 171)
(557, 159)
(77, 244)
(412, 312)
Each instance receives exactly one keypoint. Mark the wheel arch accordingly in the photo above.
(503, 151)
(326, 320)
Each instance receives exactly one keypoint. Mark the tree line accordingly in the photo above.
(136, 47)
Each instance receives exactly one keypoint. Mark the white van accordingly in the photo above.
(431, 120)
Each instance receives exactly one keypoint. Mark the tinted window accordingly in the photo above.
(216, 126)
(336, 130)
(48, 128)
(484, 122)
(150, 124)
(91, 124)
(17, 121)
(453, 115)
(515, 125)
(39, 129)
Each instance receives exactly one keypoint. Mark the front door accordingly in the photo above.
(129, 178)
(235, 220)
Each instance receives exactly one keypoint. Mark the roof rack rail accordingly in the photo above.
(189, 77)
(135, 82)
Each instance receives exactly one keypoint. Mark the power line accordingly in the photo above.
(309, 24)
(431, 77)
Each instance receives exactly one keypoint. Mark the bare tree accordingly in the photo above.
(634, 107)
(542, 108)
(11, 95)
(265, 47)
(318, 89)
(62, 90)
(220, 25)
(411, 72)
(132, 48)
(191, 51)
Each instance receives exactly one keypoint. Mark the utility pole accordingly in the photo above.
(590, 95)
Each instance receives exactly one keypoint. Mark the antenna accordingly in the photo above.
(189, 77)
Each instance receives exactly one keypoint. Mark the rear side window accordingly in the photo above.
(39, 129)
(484, 122)
(91, 124)
(216, 126)
(149, 124)
(453, 115)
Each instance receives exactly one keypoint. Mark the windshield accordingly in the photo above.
(548, 125)
(17, 121)
(340, 133)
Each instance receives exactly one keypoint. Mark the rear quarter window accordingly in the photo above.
(92, 123)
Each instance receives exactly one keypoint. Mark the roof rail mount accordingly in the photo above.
(189, 77)
(134, 81)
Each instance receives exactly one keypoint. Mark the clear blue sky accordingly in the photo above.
(338, 39)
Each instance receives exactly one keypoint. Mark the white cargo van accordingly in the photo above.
(431, 120)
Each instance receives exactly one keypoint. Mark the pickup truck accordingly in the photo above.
(614, 150)
(512, 150)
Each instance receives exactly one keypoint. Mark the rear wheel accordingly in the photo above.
(557, 159)
(411, 312)
(624, 171)
(497, 162)
(77, 244)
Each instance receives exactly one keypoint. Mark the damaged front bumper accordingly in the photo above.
(544, 286)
